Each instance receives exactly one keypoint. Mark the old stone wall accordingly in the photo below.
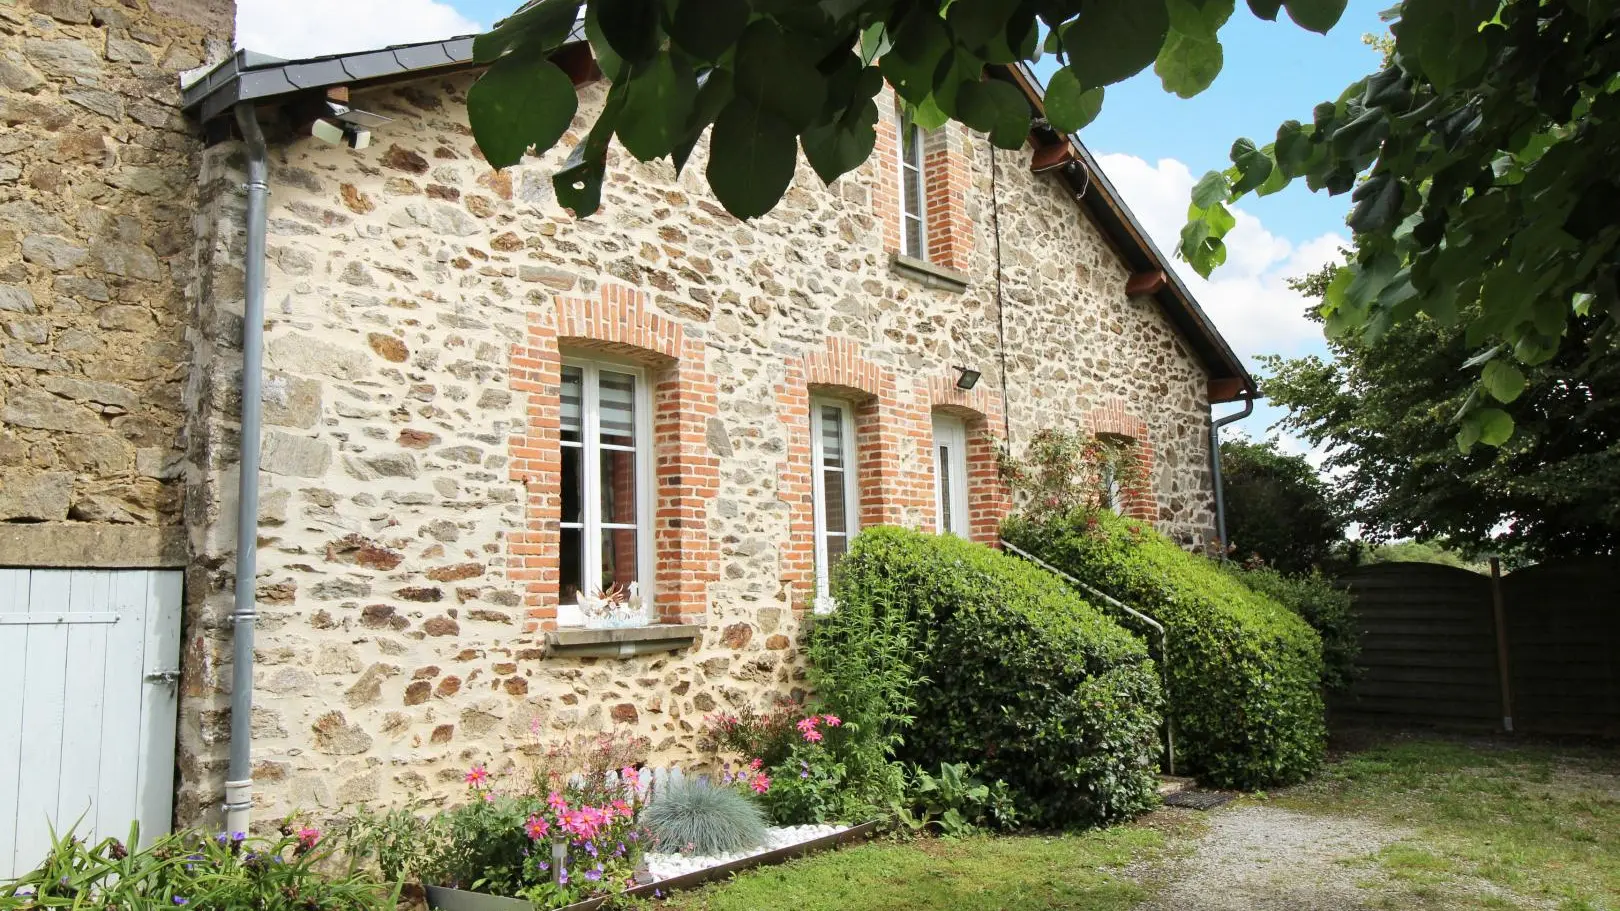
(97, 188)
(417, 304)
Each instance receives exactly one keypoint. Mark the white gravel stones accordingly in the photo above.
(669, 866)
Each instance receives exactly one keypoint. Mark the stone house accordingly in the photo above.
(477, 408)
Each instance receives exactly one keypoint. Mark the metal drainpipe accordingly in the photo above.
(1215, 465)
(239, 777)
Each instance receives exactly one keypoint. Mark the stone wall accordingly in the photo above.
(417, 304)
(97, 187)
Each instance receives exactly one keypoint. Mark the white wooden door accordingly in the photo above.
(89, 662)
(950, 476)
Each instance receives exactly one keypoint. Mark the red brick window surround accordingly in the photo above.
(1113, 422)
(921, 190)
(616, 328)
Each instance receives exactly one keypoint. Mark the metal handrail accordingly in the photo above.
(1164, 639)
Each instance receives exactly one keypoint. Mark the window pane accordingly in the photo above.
(572, 563)
(911, 151)
(943, 479)
(837, 520)
(837, 546)
(618, 557)
(573, 404)
(832, 436)
(618, 408)
(914, 238)
(618, 486)
(573, 484)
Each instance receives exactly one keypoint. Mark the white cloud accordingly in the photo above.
(310, 28)
(1248, 297)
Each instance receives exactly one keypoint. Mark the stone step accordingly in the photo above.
(1173, 784)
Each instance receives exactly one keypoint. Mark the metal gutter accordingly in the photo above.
(1215, 468)
(239, 776)
(1164, 640)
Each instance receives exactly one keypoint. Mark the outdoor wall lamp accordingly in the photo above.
(966, 378)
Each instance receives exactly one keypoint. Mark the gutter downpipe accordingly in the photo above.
(1164, 639)
(239, 777)
(1215, 466)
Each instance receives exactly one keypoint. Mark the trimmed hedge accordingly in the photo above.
(1245, 673)
(1011, 671)
(1326, 606)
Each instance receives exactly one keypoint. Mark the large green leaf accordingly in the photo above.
(1210, 189)
(658, 102)
(1503, 381)
(707, 30)
(1253, 166)
(775, 71)
(631, 27)
(1191, 57)
(1113, 40)
(1444, 38)
(1378, 204)
(1068, 106)
(1293, 148)
(522, 100)
(1495, 426)
(975, 23)
(578, 184)
(752, 154)
(1316, 15)
(713, 95)
(995, 107)
(538, 26)
(911, 66)
(841, 147)
(1266, 9)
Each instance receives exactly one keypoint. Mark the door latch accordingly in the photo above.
(169, 677)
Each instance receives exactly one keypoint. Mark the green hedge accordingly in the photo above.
(1245, 673)
(1010, 670)
(1327, 607)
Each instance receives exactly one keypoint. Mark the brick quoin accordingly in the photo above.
(686, 476)
(946, 176)
(1113, 418)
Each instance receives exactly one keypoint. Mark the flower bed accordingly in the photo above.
(668, 866)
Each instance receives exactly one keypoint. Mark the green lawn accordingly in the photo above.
(974, 874)
(1542, 822)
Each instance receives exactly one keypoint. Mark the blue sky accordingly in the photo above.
(1152, 145)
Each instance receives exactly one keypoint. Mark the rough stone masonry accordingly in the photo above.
(418, 302)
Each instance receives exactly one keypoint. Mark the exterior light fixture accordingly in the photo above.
(966, 378)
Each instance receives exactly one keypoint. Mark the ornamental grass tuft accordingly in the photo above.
(695, 815)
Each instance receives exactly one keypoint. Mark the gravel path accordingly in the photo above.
(1255, 858)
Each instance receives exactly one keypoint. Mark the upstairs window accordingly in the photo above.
(833, 491)
(913, 193)
(606, 439)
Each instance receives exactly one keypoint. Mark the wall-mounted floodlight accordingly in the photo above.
(347, 126)
(966, 378)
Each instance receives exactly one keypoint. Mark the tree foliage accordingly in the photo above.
(1381, 407)
(1479, 160)
(769, 78)
(1277, 508)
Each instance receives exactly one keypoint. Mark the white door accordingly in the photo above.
(89, 662)
(950, 476)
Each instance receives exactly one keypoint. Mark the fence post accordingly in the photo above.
(1502, 666)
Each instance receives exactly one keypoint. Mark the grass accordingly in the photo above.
(1082, 871)
(1537, 821)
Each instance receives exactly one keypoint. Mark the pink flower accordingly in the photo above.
(536, 828)
(807, 726)
(761, 783)
(308, 836)
(756, 763)
(832, 720)
(477, 776)
(555, 801)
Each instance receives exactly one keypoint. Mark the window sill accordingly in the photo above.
(622, 642)
(929, 274)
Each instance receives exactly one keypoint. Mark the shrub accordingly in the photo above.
(1328, 608)
(694, 814)
(194, 869)
(1244, 672)
(956, 802)
(1008, 670)
(792, 761)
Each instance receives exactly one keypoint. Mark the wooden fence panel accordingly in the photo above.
(1563, 621)
(1428, 647)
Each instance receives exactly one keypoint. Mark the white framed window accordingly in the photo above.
(950, 476)
(606, 441)
(913, 193)
(833, 491)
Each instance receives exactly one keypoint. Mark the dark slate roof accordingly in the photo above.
(251, 76)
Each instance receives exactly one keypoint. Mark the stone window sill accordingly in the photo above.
(622, 642)
(929, 274)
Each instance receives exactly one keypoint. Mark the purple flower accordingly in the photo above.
(181, 901)
(594, 875)
(544, 866)
(590, 849)
(562, 876)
